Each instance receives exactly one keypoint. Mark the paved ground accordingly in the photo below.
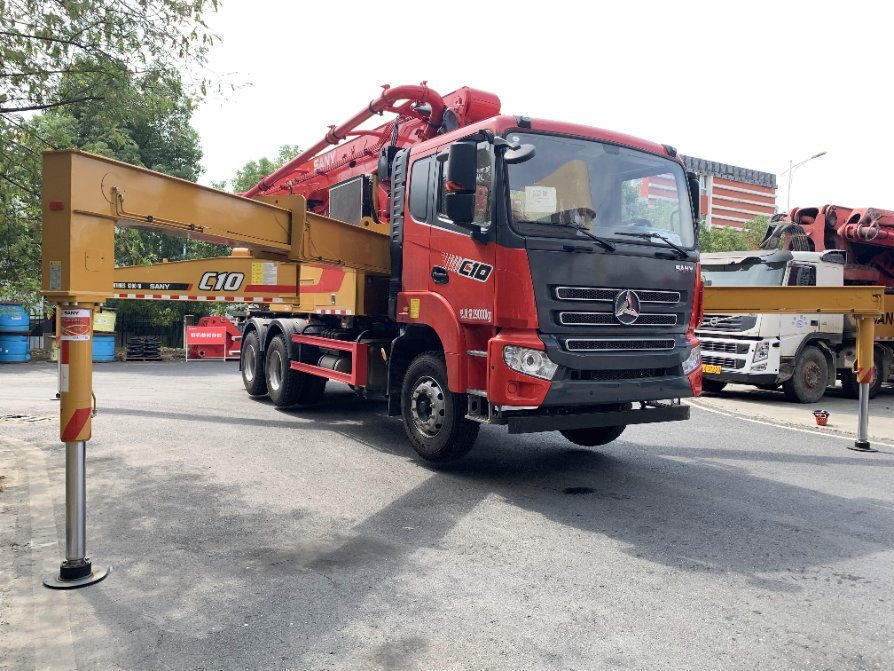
(747, 401)
(243, 537)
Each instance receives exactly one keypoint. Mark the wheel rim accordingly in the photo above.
(812, 374)
(274, 370)
(249, 361)
(427, 407)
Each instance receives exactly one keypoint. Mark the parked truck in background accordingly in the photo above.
(803, 354)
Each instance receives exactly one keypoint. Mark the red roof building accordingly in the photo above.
(730, 195)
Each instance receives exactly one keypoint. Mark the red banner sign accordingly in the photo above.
(206, 335)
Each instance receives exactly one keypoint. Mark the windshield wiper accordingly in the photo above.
(605, 244)
(649, 236)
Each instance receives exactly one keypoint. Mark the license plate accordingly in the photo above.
(708, 368)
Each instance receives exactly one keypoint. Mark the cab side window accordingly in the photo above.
(419, 188)
(802, 276)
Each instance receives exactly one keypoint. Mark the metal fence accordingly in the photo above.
(170, 335)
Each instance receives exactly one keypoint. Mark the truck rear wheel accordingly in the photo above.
(713, 386)
(599, 435)
(808, 383)
(434, 417)
(849, 383)
(283, 385)
(252, 363)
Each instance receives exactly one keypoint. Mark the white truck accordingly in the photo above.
(802, 353)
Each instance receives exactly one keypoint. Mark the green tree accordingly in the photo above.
(142, 120)
(724, 239)
(44, 42)
(252, 172)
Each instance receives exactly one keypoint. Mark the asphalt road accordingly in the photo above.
(245, 537)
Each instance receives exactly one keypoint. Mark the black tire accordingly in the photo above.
(599, 435)
(713, 386)
(851, 387)
(434, 417)
(808, 383)
(283, 384)
(252, 361)
(312, 389)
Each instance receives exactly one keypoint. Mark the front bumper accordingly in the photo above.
(545, 420)
(736, 360)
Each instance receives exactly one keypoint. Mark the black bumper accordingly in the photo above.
(523, 423)
(742, 378)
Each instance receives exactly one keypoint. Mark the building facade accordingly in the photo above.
(730, 195)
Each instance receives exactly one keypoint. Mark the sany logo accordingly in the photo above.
(212, 281)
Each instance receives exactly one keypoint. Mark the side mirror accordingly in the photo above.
(462, 166)
(694, 196)
(460, 208)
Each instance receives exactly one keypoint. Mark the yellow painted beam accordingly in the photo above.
(867, 301)
(86, 196)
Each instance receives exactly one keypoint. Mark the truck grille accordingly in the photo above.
(608, 319)
(622, 374)
(609, 295)
(728, 347)
(596, 345)
(723, 362)
(722, 322)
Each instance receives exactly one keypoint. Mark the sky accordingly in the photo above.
(754, 84)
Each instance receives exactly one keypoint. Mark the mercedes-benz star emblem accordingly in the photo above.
(626, 307)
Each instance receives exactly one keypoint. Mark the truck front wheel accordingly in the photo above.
(600, 435)
(253, 366)
(808, 383)
(434, 417)
(713, 386)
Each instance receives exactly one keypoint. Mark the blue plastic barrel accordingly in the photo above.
(13, 318)
(14, 348)
(103, 347)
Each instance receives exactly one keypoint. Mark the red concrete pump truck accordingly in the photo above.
(543, 275)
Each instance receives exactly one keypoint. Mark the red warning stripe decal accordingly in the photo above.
(76, 424)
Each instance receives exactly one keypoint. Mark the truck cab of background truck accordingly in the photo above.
(766, 350)
(553, 268)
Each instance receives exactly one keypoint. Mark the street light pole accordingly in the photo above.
(791, 169)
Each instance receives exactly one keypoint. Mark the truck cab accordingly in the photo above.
(796, 351)
(555, 266)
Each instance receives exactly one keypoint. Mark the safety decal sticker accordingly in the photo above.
(75, 324)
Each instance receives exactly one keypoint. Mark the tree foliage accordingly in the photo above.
(723, 239)
(142, 120)
(43, 42)
(252, 172)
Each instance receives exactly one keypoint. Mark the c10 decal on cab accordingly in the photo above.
(475, 270)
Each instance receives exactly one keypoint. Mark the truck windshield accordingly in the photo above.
(606, 190)
(745, 274)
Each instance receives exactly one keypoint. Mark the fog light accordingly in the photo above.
(529, 361)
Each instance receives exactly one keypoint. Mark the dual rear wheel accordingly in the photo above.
(270, 373)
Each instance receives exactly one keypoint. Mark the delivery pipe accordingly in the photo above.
(420, 93)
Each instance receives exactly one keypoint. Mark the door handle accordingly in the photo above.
(439, 275)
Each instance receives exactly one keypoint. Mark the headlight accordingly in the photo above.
(693, 361)
(762, 351)
(529, 361)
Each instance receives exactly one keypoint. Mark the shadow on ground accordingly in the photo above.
(251, 570)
